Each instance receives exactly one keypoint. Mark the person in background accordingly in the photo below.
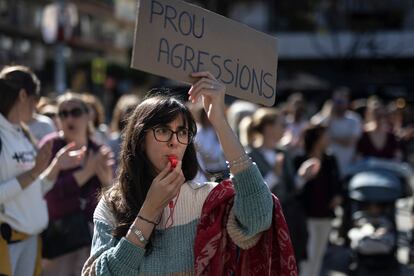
(156, 220)
(75, 190)
(324, 113)
(209, 152)
(123, 109)
(25, 174)
(48, 108)
(320, 194)
(237, 111)
(377, 139)
(97, 116)
(268, 127)
(40, 126)
(277, 168)
(344, 129)
(295, 124)
(246, 132)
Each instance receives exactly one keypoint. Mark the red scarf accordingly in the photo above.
(216, 254)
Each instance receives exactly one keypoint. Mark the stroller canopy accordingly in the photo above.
(375, 186)
(385, 180)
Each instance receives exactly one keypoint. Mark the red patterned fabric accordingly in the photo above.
(216, 254)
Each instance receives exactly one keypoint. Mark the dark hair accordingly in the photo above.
(12, 80)
(311, 137)
(135, 172)
(264, 116)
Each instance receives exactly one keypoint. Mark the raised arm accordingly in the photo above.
(211, 92)
(42, 170)
(253, 202)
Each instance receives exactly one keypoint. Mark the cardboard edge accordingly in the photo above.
(138, 6)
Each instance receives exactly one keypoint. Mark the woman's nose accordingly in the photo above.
(173, 141)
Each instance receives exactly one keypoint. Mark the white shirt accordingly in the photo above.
(40, 126)
(24, 210)
(209, 152)
(350, 127)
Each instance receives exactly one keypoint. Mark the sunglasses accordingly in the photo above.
(74, 112)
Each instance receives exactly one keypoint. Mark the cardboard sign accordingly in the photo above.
(174, 38)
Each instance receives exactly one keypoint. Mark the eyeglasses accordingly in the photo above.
(164, 134)
(74, 112)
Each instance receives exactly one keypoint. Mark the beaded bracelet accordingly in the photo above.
(242, 160)
(139, 234)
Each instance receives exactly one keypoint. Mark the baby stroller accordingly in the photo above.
(373, 188)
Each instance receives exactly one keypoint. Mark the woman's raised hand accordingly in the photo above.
(212, 92)
(68, 158)
(43, 158)
(310, 168)
(164, 188)
(104, 161)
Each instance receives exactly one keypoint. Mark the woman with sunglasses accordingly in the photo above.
(156, 220)
(73, 197)
(25, 174)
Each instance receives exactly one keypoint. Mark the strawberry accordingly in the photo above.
(173, 160)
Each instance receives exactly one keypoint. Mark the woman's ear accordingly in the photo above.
(23, 95)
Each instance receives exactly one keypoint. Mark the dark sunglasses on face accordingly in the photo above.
(74, 112)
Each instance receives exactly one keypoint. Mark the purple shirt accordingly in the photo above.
(66, 197)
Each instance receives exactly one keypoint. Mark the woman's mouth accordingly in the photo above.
(71, 127)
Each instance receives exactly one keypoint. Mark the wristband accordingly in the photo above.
(147, 220)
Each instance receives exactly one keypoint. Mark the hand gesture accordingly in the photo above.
(104, 159)
(211, 91)
(68, 158)
(43, 158)
(164, 188)
(310, 168)
(278, 168)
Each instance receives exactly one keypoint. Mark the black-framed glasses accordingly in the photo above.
(164, 134)
(74, 112)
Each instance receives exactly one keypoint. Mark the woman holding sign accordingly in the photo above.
(156, 220)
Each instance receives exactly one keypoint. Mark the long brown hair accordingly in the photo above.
(135, 172)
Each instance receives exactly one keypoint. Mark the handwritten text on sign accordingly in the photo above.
(174, 38)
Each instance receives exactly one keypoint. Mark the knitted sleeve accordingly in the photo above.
(110, 256)
(252, 207)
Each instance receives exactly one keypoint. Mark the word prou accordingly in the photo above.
(181, 22)
(229, 71)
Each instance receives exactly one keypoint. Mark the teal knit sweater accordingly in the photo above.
(172, 252)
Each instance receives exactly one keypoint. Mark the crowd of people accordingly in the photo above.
(80, 196)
